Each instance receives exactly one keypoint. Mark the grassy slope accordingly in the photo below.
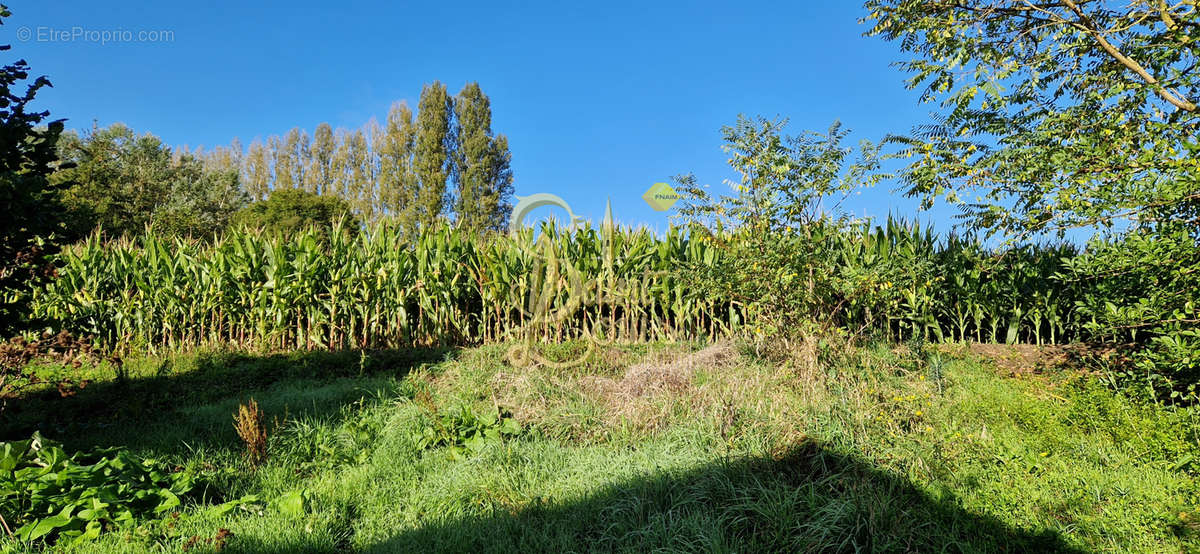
(881, 453)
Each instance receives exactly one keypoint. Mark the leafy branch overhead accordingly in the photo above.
(1055, 114)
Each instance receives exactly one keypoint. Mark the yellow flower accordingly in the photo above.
(928, 429)
(920, 413)
(1044, 454)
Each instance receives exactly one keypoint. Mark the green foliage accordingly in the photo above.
(292, 211)
(431, 154)
(202, 203)
(397, 183)
(463, 431)
(121, 181)
(482, 171)
(776, 258)
(33, 224)
(1142, 288)
(1067, 115)
(52, 496)
(1062, 115)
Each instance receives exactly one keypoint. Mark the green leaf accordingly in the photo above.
(294, 503)
(40, 528)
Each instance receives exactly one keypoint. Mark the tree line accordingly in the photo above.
(442, 161)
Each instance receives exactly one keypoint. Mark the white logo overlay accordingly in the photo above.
(526, 204)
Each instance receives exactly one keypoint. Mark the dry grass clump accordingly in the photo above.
(714, 385)
(251, 427)
(671, 375)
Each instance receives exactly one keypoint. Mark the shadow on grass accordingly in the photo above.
(188, 400)
(809, 499)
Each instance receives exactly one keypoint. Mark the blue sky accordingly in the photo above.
(599, 99)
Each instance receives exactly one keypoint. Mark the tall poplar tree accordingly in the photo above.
(320, 173)
(431, 155)
(500, 186)
(220, 158)
(483, 180)
(340, 183)
(236, 152)
(284, 152)
(361, 192)
(300, 145)
(397, 183)
(257, 171)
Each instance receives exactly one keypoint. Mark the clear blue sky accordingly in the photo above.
(598, 99)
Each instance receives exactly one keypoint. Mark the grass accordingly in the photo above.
(646, 448)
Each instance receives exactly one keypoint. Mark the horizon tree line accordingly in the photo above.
(442, 161)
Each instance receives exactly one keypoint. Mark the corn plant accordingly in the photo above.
(376, 289)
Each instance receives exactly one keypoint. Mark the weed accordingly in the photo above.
(251, 428)
(464, 430)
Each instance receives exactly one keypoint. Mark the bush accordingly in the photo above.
(290, 211)
(778, 258)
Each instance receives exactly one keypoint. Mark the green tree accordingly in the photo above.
(341, 183)
(224, 158)
(320, 172)
(289, 211)
(121, 181)
(118, 177)
(202, 200)
(283, 162)
(431, 152)
(778, 229)
(361, 189)
(1066, 114)
(298, 147)
(32, 226)
(482, 172)
(257, 171)
(397, 181)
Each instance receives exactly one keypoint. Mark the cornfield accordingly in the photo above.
(373, 289)
(955, 288)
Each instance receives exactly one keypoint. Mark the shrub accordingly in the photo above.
(290, 211)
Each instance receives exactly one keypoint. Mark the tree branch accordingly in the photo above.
(1177, 101)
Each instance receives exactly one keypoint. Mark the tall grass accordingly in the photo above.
(374, 289)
